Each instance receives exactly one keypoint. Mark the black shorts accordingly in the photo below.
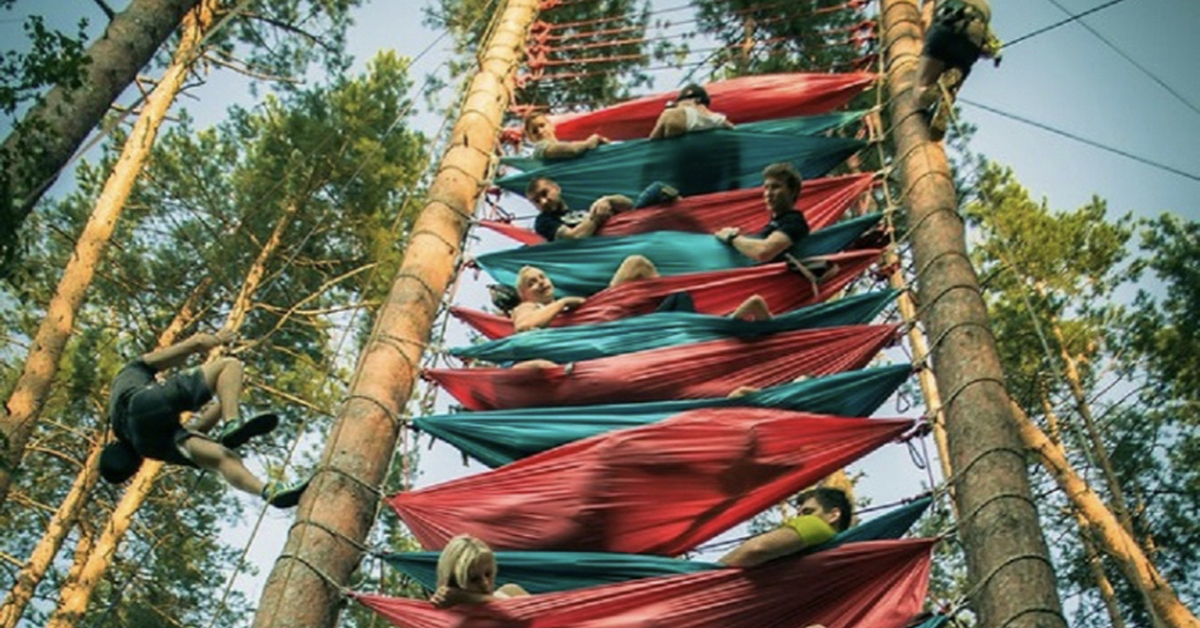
(152, 415)
(951, 47)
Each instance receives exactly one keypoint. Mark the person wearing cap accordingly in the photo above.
(546, 146)
(145, 412)
(688, 113)
(960, 33)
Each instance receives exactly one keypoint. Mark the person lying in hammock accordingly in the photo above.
(687, 114)
(466, 574)
(546, 146)
(145, 417)
(781, 191)
(961, 33)
(556, 221)
(822, 513)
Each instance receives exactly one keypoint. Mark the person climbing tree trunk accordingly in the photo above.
(42, 143)
(29, 394)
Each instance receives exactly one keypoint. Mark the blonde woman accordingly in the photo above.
(466, 574)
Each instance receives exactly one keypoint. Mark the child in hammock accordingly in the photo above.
(689, 113)
(539, 130)
(466, 574)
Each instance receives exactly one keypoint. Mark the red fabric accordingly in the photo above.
(704, 369)
(717, 292)
(879, 584)
(823, 201)
(744, 99)
(719, 467)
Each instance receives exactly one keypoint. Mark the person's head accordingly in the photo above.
(781, 187)
(467, 563)
(830, 504)
(533, 286)
(545, 194)
(694, 93)
(118, 462)
(538, 127)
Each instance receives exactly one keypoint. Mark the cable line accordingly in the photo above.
(1061, 23)
(1077, 138)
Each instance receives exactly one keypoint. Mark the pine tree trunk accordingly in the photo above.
(43, 142)
(1104, 527)
(335, 516)
(67, 515)
(25, 403)
(1009, 570)
(75, 596)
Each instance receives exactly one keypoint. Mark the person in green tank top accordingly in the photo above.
(821, 514)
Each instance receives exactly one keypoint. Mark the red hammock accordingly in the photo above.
(744, 99)
(716, 467)
(716, 292)
(823, 202)
(704, 369)
(878, 584)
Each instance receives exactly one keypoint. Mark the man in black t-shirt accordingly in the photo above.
(781, 190)
(556, 221)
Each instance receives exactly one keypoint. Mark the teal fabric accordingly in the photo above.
(696, 163)
(498, 437)
(585, 267)
(545, 572)
(667, 329)
(800, 126)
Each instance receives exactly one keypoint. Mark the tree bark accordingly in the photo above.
(336, 513)
(25, 403)
(44, 140)
(1011, 577)
(1104, 527)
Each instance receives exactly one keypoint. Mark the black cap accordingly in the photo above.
(694, 92)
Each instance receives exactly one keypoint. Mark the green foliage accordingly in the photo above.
(52, 58)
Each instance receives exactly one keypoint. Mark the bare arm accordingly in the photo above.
(585, 229)
(616, 203)
(529, 316)
(177, 354)
(757, 249)
(764, 547)
(568, 150)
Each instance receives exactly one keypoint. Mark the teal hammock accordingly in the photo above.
(544, 572)
(585, 267)
(798, 126)
(695, 163)
(666, 329)
(498, 437)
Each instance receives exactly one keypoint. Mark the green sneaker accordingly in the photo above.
(237, 434)
(282, 495)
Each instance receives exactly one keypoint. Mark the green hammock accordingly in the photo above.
(498, 437)
(544, 572)
(695, 163)
(797, 126)
(666, 329)
(585, 267)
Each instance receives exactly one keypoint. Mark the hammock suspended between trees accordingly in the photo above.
(742, 100)
(546, 572)
(720, 467)
(707, 369)
(717, 293)
(822, 201)
(795, 127)
(667, 329)
(585, 267)
(695, 163)
(498, 437)
(878, 584)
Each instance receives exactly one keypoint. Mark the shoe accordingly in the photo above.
(656, 193)
(282, 495)
(237, 434)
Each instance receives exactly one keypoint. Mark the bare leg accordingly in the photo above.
(535, 364)
(752, 309)
(634, 267)
(224, 377)
(927, 75)
(209, 416)
(214, 457)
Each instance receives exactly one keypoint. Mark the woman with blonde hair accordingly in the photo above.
(466, 574)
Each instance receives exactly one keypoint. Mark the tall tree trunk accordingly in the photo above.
(337, 511)
(1008, 563)
(25, 403)
(75, 596)
(1103, 526)
(44, 140)
(67, 515)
